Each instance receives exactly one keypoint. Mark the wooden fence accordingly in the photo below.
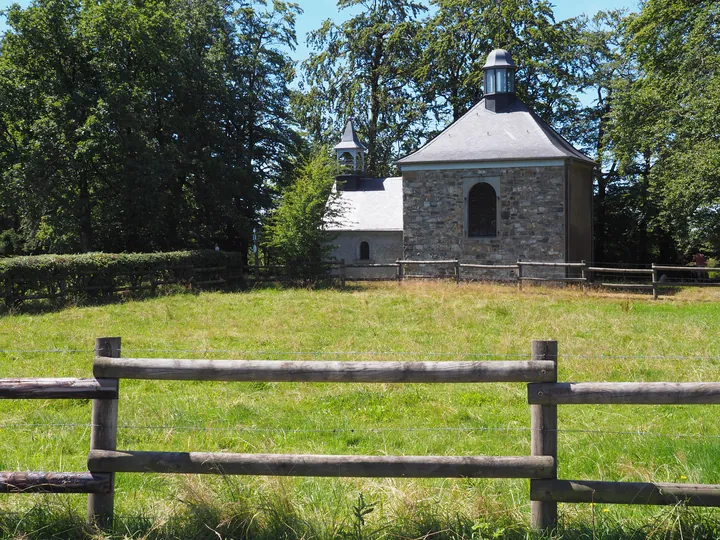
(540, 466)
(582, 273)
(104, 283)
(652, 279)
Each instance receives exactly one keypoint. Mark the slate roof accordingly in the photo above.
(350, 139)
(499, 58)
(376, 206)
(514, 134)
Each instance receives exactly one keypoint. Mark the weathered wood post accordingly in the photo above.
(520, 284)
(400, 271)
(654, 282)
(343, 274)
(103, 436)
(584, 275)
(543, 438)
(457, 271)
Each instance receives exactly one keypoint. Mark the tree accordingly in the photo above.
(618, 209)
(362, 69)
(296, 231)
(144, 126)
(460, 35)
(665, 121)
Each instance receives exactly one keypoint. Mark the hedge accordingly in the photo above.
(99, 274)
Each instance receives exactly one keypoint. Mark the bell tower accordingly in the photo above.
(350, 153)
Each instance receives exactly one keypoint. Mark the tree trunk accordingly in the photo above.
(372, 168)
(603, 180)
(600, 218)
(643, 251)
(85, 217)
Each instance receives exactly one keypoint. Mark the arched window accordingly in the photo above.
(364, 251)
(482, 210)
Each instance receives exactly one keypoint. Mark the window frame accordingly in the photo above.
(468, 184)
(360, 249)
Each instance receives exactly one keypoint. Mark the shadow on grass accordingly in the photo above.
(42, 306)
(278, 521)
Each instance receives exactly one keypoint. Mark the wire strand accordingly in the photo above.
(336, 353)
(182, 427)
(377, 353)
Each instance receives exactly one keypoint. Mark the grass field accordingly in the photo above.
(601, 338)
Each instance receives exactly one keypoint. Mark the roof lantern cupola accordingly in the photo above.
(499, 78)
(350, 151)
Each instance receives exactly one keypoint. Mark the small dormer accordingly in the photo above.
(499, 78)
(350, 153)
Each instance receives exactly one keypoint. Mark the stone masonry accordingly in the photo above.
(531, 223)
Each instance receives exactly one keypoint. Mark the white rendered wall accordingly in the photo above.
(385, 247)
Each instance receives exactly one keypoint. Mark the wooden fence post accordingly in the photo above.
(400, 271)
(584, 275)
(103, 436)
(457, 271)
(520, 284)
(543, 438)
(654, 282)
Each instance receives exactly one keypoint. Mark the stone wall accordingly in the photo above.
(531, 215)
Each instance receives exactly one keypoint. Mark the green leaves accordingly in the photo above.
(362, 69)
(295, 233)
(143, 126)
(666, 116)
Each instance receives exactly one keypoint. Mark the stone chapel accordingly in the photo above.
(497, 186)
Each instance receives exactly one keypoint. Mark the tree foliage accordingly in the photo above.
(143, 126)
(461, 33)
(296, 233)
(362, 69)
(665, 122)
(163, 124)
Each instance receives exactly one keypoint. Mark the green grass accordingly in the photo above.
(416, 322)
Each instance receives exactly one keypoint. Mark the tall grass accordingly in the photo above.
(601, 338)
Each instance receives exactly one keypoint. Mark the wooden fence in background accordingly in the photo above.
(105, 284)
(540, 466)
(653, 279)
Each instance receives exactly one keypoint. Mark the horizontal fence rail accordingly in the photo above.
(324, 371)
(552, 264)
(622, 393)
(490, 266)
(322, 465)
(444, 262)
(54, 482)
(58, 389)
(647, 271)
(580, 491)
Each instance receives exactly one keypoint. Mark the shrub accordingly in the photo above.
(296, 233)
(102, 274)
(10, 243)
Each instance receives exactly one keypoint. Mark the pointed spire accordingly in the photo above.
(350, 153)
(350, 140)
